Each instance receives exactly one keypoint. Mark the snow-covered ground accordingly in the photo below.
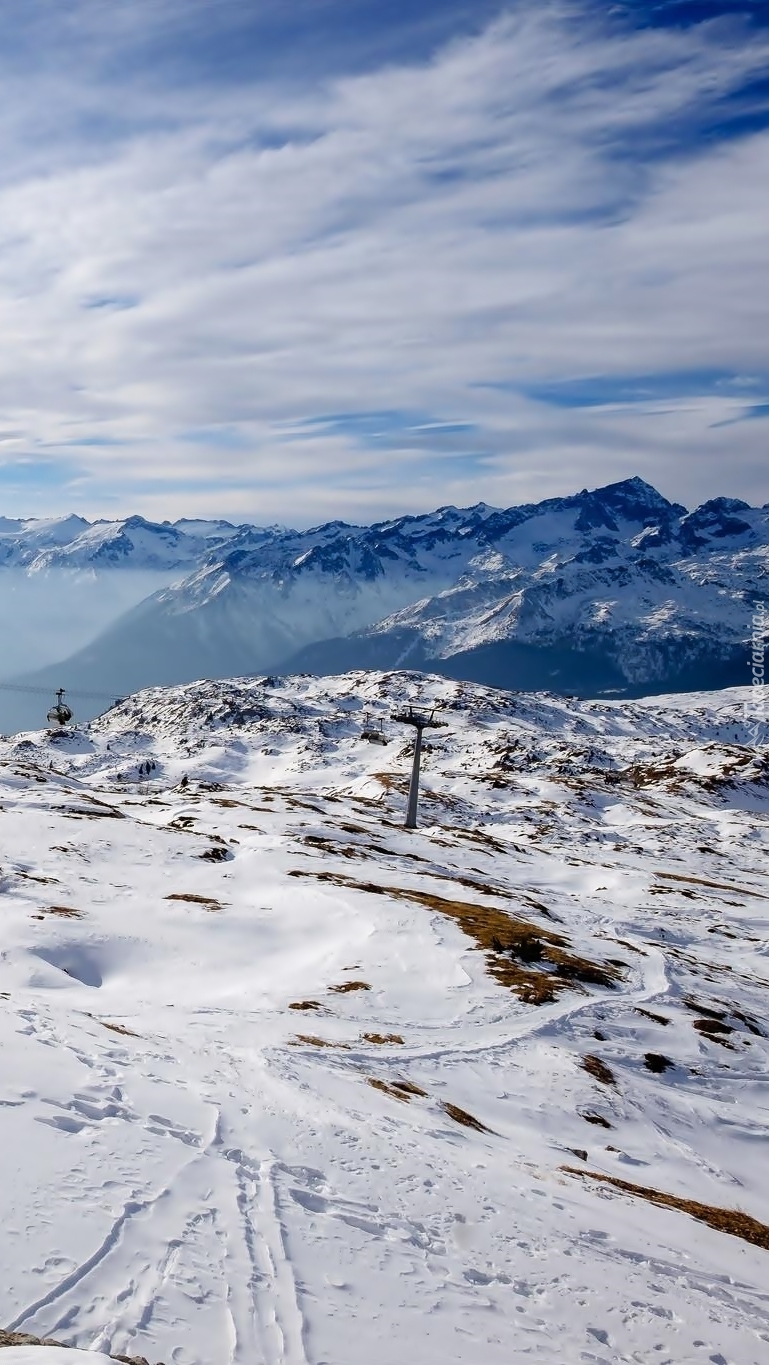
(272, 1091)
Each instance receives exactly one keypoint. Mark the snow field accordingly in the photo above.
(198, 1168)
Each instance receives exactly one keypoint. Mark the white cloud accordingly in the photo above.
(394, 242)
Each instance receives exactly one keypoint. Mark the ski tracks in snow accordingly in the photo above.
(270, 1310)
(208, 1250)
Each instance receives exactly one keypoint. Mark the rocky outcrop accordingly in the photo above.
(27, 1339)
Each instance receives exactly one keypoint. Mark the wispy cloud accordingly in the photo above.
(233, 282)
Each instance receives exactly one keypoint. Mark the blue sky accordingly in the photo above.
(297, 259)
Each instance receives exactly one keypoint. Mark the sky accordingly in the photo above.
(293, 260)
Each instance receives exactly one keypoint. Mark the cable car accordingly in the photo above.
(60, 714)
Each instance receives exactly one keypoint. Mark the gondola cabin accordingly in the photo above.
(60, 714)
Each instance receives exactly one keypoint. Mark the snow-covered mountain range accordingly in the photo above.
(615, 589)
(283, 1082)
(73, 543)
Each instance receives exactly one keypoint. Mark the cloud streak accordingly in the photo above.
(451, 238)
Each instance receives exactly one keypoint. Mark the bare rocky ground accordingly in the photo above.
(27, 1339)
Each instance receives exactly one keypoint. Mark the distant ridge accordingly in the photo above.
(611, 590)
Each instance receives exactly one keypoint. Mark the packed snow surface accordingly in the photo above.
(272, 1094)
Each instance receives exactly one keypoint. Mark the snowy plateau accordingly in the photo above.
(282, 1083)
(614, 591)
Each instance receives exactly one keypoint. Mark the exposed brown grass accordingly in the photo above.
(597, 1119)
(390, 781)
(65, 911)
(208, 902)
(327, 845)
(751, 1025)
(532, 961)
(382, 1038)
(482, 838)
(218, 853)
(714, 1029)
(306, 1005)
(598, 1069)
(94, 810)
(657, 1062)
(631, 947)
(674, 891)
(461, 1116)
(715, 886)
(649, 1014)
(733, 1221)
(346, 986)
(397, 1090)
(119, 1028)
(313, 1041)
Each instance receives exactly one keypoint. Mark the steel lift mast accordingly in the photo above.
(421, 720)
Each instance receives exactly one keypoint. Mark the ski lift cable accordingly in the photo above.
(71, 692)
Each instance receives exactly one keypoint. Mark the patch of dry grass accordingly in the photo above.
(733, 1221)
(94, 810)
(311, 1040)
(346, 986)
(64, 911)
(598, 1069)
(598, 1119)
(327, 845)
(461, 1116)
(655, 1018)
(306, 1005)
(536, 963)
(715, 886)
(657, 1062)
(382, 1038)
(391, 781)
(714, 1029)
(208, 902)
(397, 1090)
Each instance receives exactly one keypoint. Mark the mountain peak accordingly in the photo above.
(634, 495)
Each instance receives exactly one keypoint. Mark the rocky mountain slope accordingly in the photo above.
(72, 543)
(611, 590)
(668, 608)
(282, 1082)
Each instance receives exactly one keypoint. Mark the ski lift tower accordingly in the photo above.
(421, 720)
